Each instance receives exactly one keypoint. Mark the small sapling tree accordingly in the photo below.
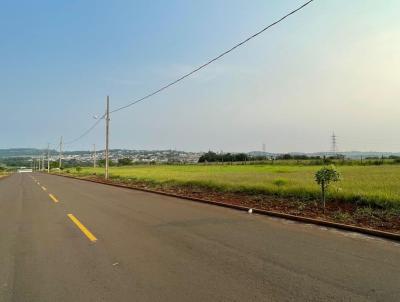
(324, 177)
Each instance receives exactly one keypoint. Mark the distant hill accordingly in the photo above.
(20, 152)
(33, 152)
(350, 154)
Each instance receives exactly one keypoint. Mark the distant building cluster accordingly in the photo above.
(136, 156)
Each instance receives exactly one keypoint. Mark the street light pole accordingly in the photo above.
(60, 160)
(48, 158)
(94, 155)
(107, 135)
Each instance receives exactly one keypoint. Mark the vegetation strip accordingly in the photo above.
(346, 227)
(370, 186)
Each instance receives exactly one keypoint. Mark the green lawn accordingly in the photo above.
(379, 185)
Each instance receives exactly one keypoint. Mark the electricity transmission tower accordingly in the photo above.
(264, 149)
(334, 144)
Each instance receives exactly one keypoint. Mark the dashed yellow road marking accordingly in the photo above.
(84, 230)
(53, 198)
(44, 188)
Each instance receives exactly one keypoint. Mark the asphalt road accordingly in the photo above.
(125, 245)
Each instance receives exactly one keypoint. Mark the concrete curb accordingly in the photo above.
(5, 176)
(345, 227)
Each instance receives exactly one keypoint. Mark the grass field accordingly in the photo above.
(374, 185)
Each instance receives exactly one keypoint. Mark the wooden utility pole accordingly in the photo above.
(60, 160)
(48, 158)
(94, 155)
(107, 134)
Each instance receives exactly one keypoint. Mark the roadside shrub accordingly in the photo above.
(324, 177)
(78, 169)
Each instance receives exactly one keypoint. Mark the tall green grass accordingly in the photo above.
(370, 185)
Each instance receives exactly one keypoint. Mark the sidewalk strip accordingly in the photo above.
(82, 228)
(53, 198)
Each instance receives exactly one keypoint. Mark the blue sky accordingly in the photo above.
(334, 66)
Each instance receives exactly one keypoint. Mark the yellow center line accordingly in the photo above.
(53, 198)
(44, 188)
(82, 228)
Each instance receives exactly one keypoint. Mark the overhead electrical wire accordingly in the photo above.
(191, 72)
(86, 132)
(212, 60)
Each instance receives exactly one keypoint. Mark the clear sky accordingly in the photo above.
(334, 66)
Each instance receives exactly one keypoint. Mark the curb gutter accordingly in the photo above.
(346, 227)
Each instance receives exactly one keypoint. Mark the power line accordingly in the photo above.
(212, 60)
(86, 132)
(188, 74)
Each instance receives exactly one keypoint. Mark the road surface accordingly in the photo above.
(69, 240)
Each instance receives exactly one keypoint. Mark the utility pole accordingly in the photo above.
(107, 134)
(94, 155)
(48, 158)
(60, 160)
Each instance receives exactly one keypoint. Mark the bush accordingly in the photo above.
(324, 177)
(125, 161)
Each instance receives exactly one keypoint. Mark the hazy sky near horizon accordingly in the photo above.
(334, 66)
